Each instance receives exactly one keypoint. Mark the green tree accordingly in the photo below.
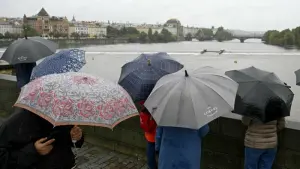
(266, 37)
(75, 35)
(167, 36)
(189, 37)
(204, 34)
(155, 37)
(296, 33)
(132, 30)
(289, 38)
(56, 35)
(112, 32)
(143, 37)
(223, 35)
(7, 35)
(51, 34)
(1, 36)
(276, 39)
(29, 31)
(150, 35)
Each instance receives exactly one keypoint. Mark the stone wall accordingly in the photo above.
(222, 148)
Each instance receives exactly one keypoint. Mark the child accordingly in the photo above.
(148, 124)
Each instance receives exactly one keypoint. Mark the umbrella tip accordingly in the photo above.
(186, 73)
(149, 62)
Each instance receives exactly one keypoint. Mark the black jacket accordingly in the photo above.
(18, 135)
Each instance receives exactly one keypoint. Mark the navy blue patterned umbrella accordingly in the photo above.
(139, 76)
(64, 61)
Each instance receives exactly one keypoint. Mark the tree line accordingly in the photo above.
(285, 38)
(206, 34)
(135, 36)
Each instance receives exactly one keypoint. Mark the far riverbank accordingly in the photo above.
(74, 43)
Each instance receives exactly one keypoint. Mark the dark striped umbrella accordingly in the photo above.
(28, 50)
(139, 76)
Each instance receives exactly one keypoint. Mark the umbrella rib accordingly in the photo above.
(180, 103)
(193, 102)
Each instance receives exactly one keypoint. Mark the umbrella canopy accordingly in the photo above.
(28, 50)
(191, 100)
(298, 77)
(139, 76)
(77, 99)
(261, 94)
(64, 61)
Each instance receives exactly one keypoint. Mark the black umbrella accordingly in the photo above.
(28, 50)
(139, 76)
(261, 94)
(298, 77)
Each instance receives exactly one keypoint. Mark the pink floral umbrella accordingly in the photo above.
(77, 99)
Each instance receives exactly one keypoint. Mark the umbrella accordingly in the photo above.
(191, 100)
(28, 50)
(75, 98)
(298, 77)
(261, 94)
(64, 61)
(139, 76)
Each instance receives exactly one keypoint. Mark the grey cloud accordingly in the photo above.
(235, 14)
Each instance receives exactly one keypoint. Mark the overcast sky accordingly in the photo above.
(255, 15)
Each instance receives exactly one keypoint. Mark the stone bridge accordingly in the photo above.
(245, 36)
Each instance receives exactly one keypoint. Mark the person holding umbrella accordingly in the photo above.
(28, 141)
(263, 100)
(24, 53)
(261, 142)
(149, 125)
(138, 78)
(57, 99)
(183, 104)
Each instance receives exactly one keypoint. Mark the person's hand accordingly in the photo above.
(42, 147)
(76, 133)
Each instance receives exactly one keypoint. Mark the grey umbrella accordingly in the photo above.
(28, 50)
(191, 100)
(298, 77)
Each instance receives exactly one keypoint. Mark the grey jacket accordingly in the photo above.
(260, 135)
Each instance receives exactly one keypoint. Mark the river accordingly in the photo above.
(106, 61)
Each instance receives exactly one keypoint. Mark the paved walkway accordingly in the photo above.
(92, 157)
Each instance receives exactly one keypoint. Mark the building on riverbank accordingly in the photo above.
(90, 29)
(174, 26)
(59, 25)
(145, 28)
(44, 24)
(96, 30)
(190, 30)
(10, 27)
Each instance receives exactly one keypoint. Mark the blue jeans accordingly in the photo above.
(151, 158)
(259, 158)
